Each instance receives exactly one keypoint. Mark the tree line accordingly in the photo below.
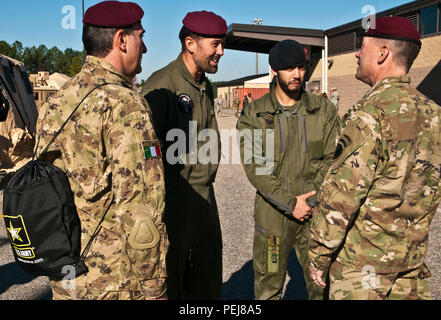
(41, 58)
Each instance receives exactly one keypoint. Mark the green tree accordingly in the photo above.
(75, 66)
(41, 58)
(6, 49)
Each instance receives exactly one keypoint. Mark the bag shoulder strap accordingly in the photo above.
(98, 228)
(70, 117)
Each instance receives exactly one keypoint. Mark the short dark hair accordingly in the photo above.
(184, 33)
(98, 41)
(405, 52)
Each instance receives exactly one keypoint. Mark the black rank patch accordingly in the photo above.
(338, 151)
(344, 142)
(185, 103)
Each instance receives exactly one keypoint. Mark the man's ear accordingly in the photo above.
(190, 44)
(383, 53)
(274, 73)
(120, 40)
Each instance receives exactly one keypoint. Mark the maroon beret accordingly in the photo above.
(205, 23)
(398, 28)
(113, 14)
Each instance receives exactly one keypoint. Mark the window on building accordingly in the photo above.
(342, 43)
(429, 20)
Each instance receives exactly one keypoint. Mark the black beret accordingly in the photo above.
(287, 54)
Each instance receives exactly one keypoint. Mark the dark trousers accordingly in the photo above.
(194, 260)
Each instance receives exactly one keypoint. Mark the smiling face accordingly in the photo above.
(207, 54)
(291, 80)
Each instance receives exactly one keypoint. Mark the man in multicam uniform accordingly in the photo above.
(372, 226)
(108, 152)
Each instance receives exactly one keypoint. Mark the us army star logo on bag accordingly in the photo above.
(19, 237)
(17, 231)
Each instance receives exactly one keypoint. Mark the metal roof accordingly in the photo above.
(241, 81)
(257, 38)
(400, 10)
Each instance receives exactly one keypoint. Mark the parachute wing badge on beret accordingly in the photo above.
(185, 103)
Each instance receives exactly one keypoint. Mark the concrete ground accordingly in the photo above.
(235, 197)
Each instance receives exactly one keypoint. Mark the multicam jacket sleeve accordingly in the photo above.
(346, 185)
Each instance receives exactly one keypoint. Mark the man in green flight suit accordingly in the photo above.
(304, 127)
(182, 102)
(370, 232)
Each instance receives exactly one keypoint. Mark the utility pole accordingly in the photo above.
(257, 21)
(83, 9)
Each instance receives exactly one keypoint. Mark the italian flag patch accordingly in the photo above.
(152, 150)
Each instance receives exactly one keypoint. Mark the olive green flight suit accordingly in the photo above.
(178, 102)
(304, 145)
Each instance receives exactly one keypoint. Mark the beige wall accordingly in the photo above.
(342, 73)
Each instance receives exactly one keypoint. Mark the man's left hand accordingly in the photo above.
(317, 277)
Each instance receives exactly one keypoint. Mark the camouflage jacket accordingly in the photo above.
(383, 187)
(106, 151)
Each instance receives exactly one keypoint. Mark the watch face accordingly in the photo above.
(185, 104)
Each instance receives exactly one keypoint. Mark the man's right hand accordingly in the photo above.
(303, 211)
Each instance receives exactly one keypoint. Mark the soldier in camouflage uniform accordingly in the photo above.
(108, 151)
(181, 98)
(236, 106)
(370, 232)
(304, 127)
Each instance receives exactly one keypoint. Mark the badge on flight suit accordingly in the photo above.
(185, 103)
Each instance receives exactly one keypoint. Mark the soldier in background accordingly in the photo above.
(236, 105)
(335, 97)
(371, 229)
(181, 98)
(109, 152)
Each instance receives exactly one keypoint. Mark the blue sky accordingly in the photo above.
(35, 22)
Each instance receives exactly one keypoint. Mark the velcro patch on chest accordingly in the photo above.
(185, 103)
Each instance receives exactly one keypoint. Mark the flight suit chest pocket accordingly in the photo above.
(271, 138)
(312, 133)
(351, 140)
